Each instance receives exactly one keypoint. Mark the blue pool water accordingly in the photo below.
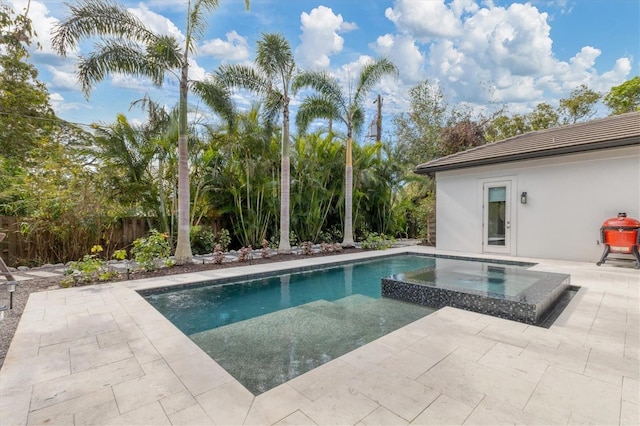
(201, 308)
(267, 331)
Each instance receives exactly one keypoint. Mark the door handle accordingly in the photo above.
(508, 224)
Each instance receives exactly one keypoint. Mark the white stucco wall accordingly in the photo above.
(568, 199)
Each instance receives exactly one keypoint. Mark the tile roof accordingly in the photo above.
(609, 132)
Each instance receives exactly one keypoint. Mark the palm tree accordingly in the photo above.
(330, 102)
(126, 45)
(270, 78)
(126, 162)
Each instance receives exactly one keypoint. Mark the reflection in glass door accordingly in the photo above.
(497, 217)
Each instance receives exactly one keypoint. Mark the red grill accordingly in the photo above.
(620, 235)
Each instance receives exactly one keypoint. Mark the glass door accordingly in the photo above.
(497, 217)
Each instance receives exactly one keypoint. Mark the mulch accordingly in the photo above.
(12, 317)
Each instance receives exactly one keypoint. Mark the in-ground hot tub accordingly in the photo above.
(507, 291)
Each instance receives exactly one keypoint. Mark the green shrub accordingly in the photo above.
(120, 254)
(203, 240)
(88, 270)
(274, 241)
(377, 241)
(224, 239)
(151, 251)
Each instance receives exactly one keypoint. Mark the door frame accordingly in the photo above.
(510, 183)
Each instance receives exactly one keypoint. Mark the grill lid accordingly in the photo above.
(622, 221)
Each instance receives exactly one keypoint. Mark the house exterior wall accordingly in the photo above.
(568, 198)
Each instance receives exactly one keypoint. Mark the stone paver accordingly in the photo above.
(102, 355)
(42, 274)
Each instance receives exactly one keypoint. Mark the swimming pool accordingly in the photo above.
(266, 331)
(269, 330)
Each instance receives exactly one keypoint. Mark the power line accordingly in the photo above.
(55, 119)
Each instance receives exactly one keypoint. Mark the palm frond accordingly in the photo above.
(274, 57)
(371, 75)
(357, 118)
(98, 18)
(272, 106)
(217, 97)
(312, 107)
(324, 83)
(243, 76)
(117, 56)
(197, 22)
(165, 52)
(157, 116)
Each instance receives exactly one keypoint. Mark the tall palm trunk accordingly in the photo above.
(183, 246)
(348, 197)
(285, 184)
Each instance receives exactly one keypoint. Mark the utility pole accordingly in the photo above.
(379, 127)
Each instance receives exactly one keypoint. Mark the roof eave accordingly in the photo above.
(616, 143)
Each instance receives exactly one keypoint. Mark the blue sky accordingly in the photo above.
(484, 54)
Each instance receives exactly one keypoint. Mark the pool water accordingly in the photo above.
(483, 278)
(204, 307)
(267, 331)
(506, 291)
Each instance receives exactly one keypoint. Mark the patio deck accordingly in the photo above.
(102, 355)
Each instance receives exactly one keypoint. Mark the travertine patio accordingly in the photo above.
(102, 355)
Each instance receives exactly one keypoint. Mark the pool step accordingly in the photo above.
(267, 350)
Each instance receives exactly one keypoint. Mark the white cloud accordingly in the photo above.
(425, 20)
(196, 72)
(157, 23)
(63, 80)
(402, 50)
(460, 7)
(516, 38)
(492, 53)
(125, 81)
(235, 48)
(320, 38)
(56, 97)
(61, 106)
(617, 74)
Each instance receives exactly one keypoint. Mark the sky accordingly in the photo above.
(484, 54)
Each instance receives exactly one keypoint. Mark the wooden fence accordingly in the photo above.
(19, 249)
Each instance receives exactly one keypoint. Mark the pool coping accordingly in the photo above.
(101, 354)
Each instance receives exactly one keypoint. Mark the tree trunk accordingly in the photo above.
(183, 246)
(285, 182)
(348, 199)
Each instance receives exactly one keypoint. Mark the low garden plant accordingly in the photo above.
(377, 241)
(307, 248)
(265, 249)
(218, 254)
(152, 252)
(90, 268)
(244, 254)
